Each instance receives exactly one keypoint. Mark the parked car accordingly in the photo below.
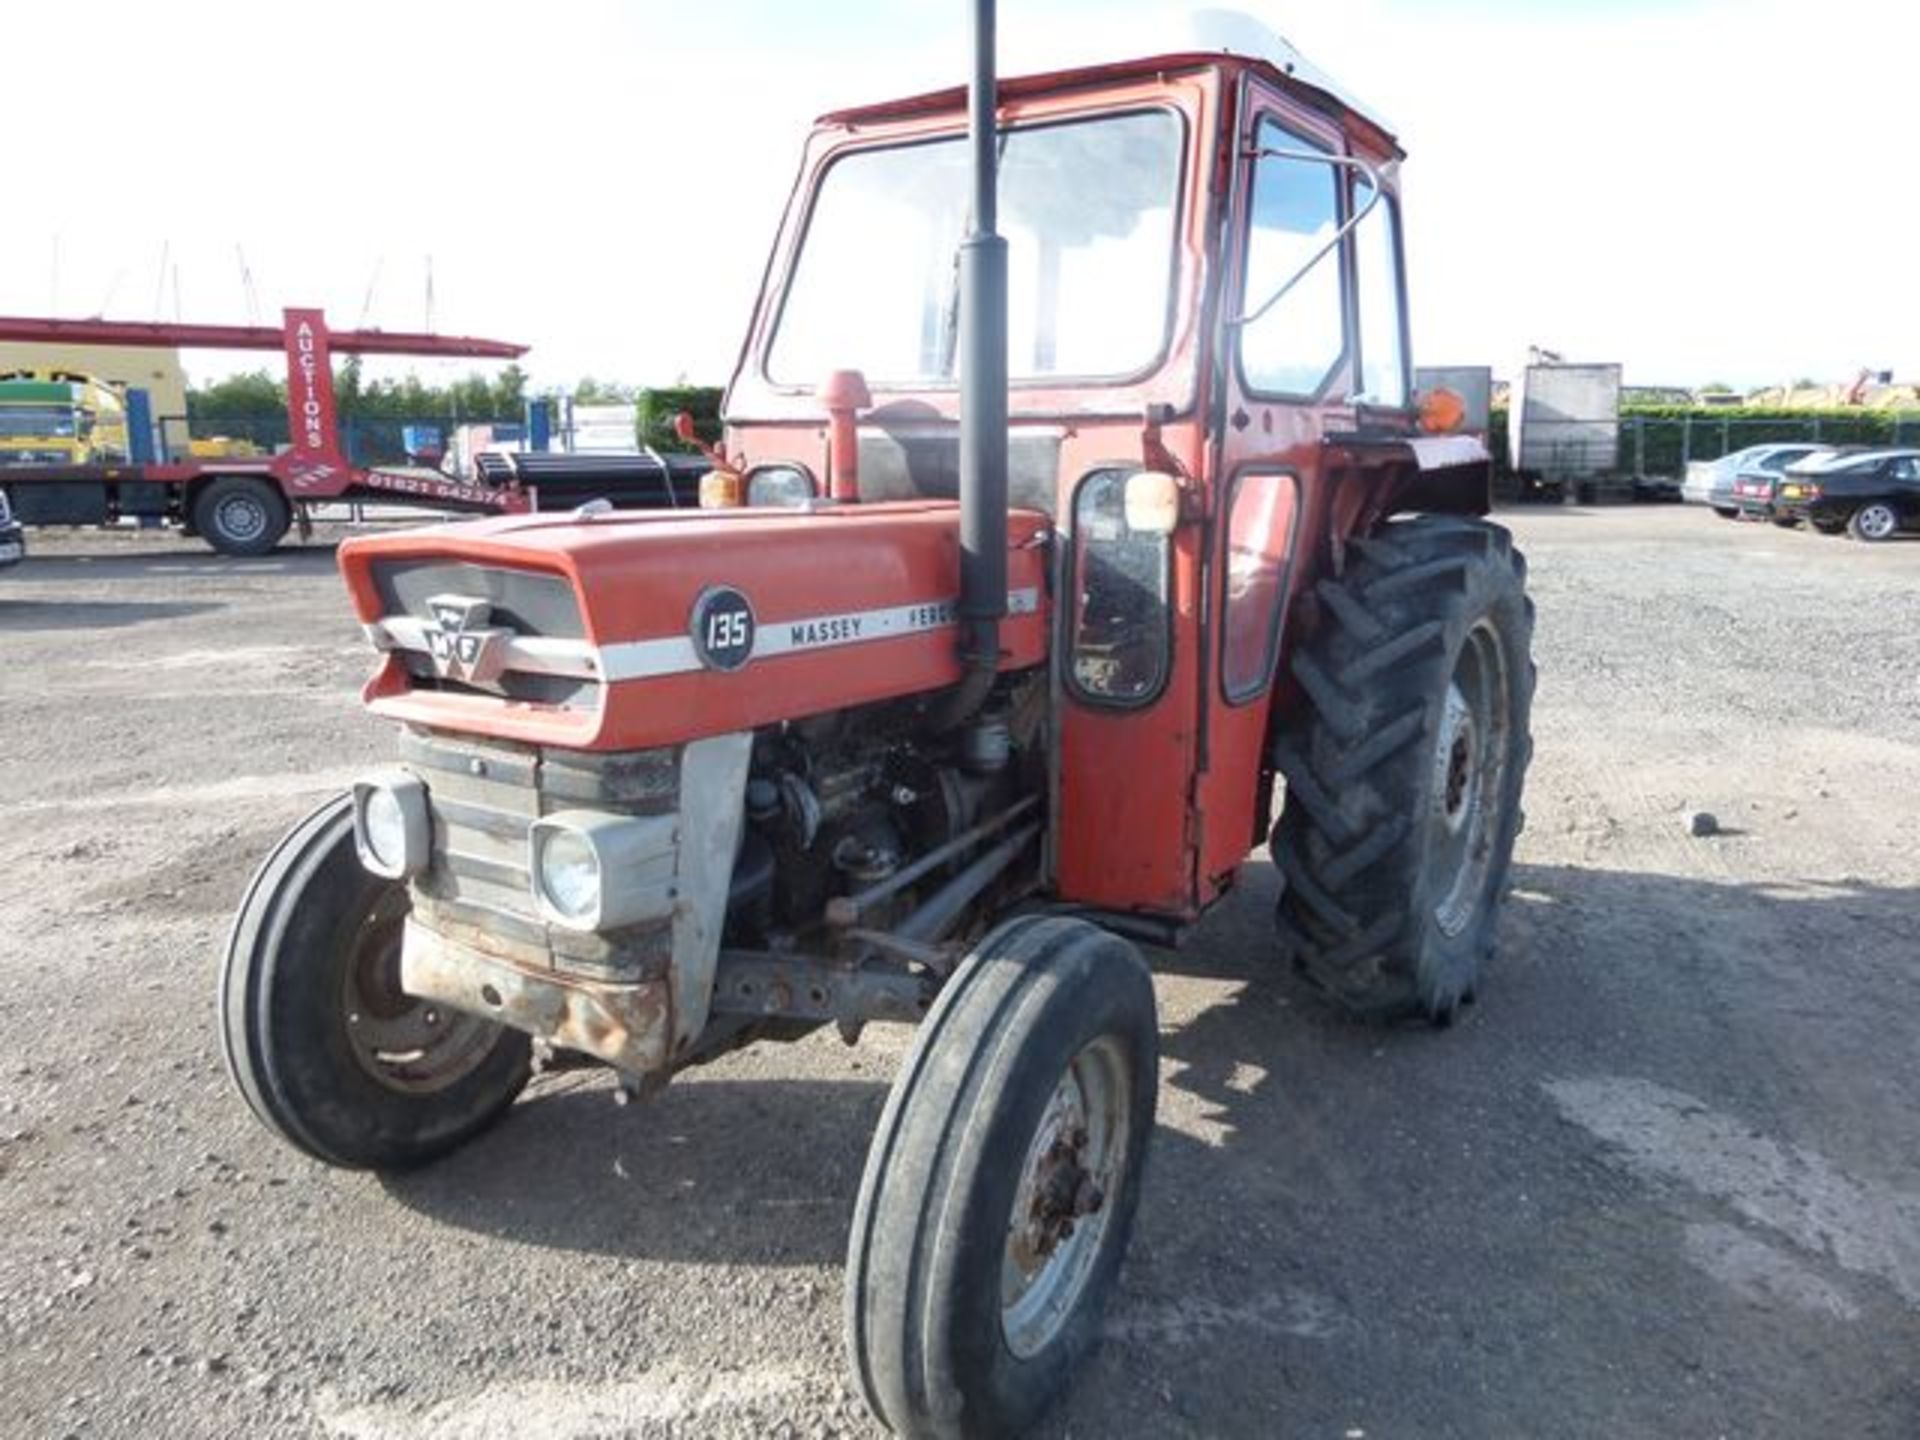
(1711, 482)
(1869, 494)
(1756, 481)
(13, 540)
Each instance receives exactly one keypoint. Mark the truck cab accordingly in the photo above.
(58, 417)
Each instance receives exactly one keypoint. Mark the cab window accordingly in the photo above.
(1383, 350)
(1122, 624)
(1297, 342)
(1259, 539)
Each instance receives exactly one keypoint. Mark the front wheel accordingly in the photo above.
(1002, 1181)
(328, 1050)
(1404, 766)
(1871, 522)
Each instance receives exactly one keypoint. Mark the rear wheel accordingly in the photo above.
(1404, 767)
(1827, 527)
(1002, 1181)
(1873, 521)
(1786, 522)
(241, 515)
(327, 1049)
(1726, 514)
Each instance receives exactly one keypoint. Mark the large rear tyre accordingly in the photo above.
(1002, 1182)
(1404, 768)
(329, 1052)
(241, 515)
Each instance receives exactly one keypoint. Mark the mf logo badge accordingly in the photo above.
(459, 641)
(722, 628)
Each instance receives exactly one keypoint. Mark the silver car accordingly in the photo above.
(1711, 482)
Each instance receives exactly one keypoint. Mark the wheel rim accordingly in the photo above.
(1072, 1173)
(1469, 775)
(241, 517)
(1876, 522)
(403, 1043)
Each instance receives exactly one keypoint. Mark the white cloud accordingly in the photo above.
(1713, 190)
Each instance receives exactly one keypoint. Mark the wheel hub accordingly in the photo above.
(1060, 1206)
(402, 1042)
(1469, 779)
(241, 518)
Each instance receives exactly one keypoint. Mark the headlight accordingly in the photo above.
(570, 875)
(780, 485)
(593, 871)
(390, 825)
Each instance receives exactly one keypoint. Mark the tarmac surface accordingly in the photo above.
(1663, 1180)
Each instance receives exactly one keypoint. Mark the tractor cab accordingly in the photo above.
(1204, 284)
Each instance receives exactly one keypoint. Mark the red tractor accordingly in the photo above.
(1087, 505)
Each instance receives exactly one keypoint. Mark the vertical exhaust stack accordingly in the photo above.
(983, 389)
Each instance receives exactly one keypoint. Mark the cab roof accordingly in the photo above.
(1195, 38)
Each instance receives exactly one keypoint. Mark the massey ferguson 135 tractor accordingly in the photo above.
(1073, 501)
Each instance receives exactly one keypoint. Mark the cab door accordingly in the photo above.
(1298, 363)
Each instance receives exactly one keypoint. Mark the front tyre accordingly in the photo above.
(1002, 1182)
(1404, 766)
(329, 1052)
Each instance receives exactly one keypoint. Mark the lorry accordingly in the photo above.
(1563, 431)
(241, 504)
(60, 417)
(999, 635)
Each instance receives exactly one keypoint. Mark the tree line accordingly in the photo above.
(254, 404)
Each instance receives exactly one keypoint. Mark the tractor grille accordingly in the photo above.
(484, 795)
(528, 604)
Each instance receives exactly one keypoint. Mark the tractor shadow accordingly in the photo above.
(1395, 1229)
(713, 1169)
(1342, 1226)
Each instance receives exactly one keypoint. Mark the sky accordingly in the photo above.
(1704, 190)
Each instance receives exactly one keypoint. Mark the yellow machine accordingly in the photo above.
(60, 417)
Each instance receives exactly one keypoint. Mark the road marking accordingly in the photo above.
(1868, 1228)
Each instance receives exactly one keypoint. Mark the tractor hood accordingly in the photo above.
(624, 632)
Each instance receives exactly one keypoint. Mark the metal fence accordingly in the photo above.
(1655, 445)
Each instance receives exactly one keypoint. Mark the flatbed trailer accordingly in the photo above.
(244, 505)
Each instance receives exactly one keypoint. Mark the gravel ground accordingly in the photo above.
(1663, 1180)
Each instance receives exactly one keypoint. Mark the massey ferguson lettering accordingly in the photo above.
(930, 617)
(835, 630)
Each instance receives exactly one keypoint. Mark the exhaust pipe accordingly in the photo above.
(983, 393)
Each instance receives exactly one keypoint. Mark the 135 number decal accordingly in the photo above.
(722, 627)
